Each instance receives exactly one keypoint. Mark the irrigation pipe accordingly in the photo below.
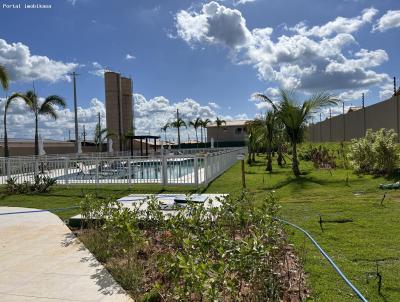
(327, 257)
(39, 211)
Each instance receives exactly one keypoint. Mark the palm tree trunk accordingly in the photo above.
(179, 138)
(295, 162)
(6, 151)
(197, 140)
(280, 156)
(36, 134)
(269, 161)
(201, 133)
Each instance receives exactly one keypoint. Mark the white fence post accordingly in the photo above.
(97, 171)
(196, 171)
(129, 171)
(164, 168)
(8, 167)
(205, 169)
(66, 163)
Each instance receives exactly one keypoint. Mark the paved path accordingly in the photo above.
(41, 260)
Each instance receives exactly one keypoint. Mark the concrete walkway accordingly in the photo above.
(41, 260)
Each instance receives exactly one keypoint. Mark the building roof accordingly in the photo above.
(231, 123)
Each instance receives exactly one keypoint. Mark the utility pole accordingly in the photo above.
(177, 124)
(84, 135)
(69, 134)
(363, 108)
(74, 74)
(344, 124)
(394, 86)
(98, 138)
(330, 124)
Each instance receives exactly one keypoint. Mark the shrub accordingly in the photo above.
(321, 156)
(375, 153)
(41, 184)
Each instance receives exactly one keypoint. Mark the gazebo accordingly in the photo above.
(141, 138)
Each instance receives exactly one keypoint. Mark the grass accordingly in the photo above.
(355, 246)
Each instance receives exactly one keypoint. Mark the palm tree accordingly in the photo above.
(4, 84)
(164, 129)
(204, 124)
(255, 130)
(11, 99)
(219, 122)
(294, 116)
(100, 135)
(178, 124)
(45, 108)
(196, 124)
(270, 129)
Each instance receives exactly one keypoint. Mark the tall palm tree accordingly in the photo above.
(294, 116)
(219, 122)
(4, 84)
(178, 124)
(204, 124)
(47, 107)
(164, 129)
(10, 100)
(196, 124)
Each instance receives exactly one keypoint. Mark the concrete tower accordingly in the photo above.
(118, 92)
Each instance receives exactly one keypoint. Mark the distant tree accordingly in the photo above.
(164, 129)
(178, 124)
(219, 122)
(196, 124)
(294, 116)
(204, 124)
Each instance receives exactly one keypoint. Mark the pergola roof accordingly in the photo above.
(143, 136)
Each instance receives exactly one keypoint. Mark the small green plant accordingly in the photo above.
(375, 153)
(41, 184)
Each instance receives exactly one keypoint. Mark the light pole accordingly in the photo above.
(74, 74)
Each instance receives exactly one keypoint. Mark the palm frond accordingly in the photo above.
(4, 81)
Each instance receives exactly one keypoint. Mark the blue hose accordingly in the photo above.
(337, 269)
(38, 211)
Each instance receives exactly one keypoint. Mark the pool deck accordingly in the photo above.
(42, 260)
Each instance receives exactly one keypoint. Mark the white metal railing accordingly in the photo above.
(188, 168)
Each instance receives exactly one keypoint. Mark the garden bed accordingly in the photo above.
(242, 255)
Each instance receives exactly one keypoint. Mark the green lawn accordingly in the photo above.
(374, 234)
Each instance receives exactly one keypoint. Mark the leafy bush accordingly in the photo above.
(375, 153)
(231, 253)
(321, 156)
(41, 184)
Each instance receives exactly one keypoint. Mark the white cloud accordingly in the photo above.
(129, 57)
(98, 69)
(351, 95)
(214, 24)
(389, 20)
(213, 105)
(305, 58)
(339, 25)
(238, 2)
(23, 66)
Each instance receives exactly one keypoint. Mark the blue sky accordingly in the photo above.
(203, 57)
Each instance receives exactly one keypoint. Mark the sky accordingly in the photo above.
(205, 58)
